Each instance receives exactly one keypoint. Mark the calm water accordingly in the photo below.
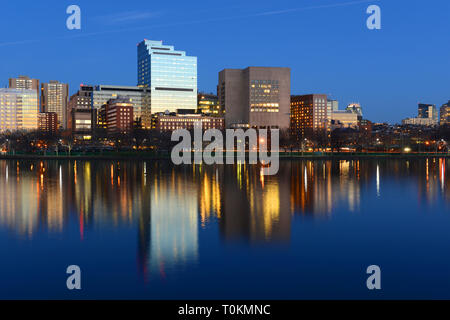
(151, 230)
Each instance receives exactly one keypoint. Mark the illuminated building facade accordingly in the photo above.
(140, 98)
(48, 122)
(54, 98)
(445, 114)
(427, 116)
(255, 97)
(81, 117)
(165, 122)
(170, 75)
(208, 104)
(343, 119)
(24, 82)
(118, 115)
(309, 113)
(18, 109)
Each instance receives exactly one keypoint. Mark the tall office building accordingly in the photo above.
(81, 117)
(140, 98)
(54, 98)
(24, 82)
(170, 74)
(19, 109)
(255, 97)
(309, 113)
(427, 111)
(445, 114)
(427, 116)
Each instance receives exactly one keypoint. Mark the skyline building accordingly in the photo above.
(427, 116)
(81, 117)
(427, 111)
(168, 122)
(309, 113)
(140, 98)
(19, 109)
(355, 108)
(256, 97)
(118, 115)
(48, 122)
(24, 82)
(208, 104)
(54, 98)
(170, 75)
(445, 114)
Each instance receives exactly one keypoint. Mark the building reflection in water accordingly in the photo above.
(169, 206)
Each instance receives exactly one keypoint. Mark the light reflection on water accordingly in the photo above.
(169, 207)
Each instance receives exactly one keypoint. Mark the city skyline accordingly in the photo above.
(386, 57)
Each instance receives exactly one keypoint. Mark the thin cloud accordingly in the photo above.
(129, 17)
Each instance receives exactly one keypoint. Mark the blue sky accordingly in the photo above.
(324, 42)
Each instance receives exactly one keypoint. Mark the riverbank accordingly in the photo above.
(166, 156)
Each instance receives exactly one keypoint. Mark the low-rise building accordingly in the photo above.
(117, 114)
(343, 119)
(170, 122)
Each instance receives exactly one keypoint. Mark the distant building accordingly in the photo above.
(332, 105)
(19, 109)
(54, 98)
(140, 98)
(48, 122)
(355, 108)
(344, 119)
(419, 122)
(208, 104)
(427, 111)
(255, 97)
(170, 75)
(427, 116)
(365, 127)
(170, 122)
(118, 115)
(24, 82)
(309, 113)
(445, 114)
(81, 117)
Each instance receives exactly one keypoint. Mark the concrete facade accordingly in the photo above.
(255, 97)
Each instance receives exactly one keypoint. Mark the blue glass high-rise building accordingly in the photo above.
(170, 74)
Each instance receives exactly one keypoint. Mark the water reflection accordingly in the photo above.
(170, 206)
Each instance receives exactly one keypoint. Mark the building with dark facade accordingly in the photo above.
(256, 97)
(81, 116)
(445, 114)
(117, 114)
(309, 113)
(48, 122)
(208, 105)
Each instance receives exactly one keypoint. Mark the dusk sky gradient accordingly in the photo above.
(324, 42)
